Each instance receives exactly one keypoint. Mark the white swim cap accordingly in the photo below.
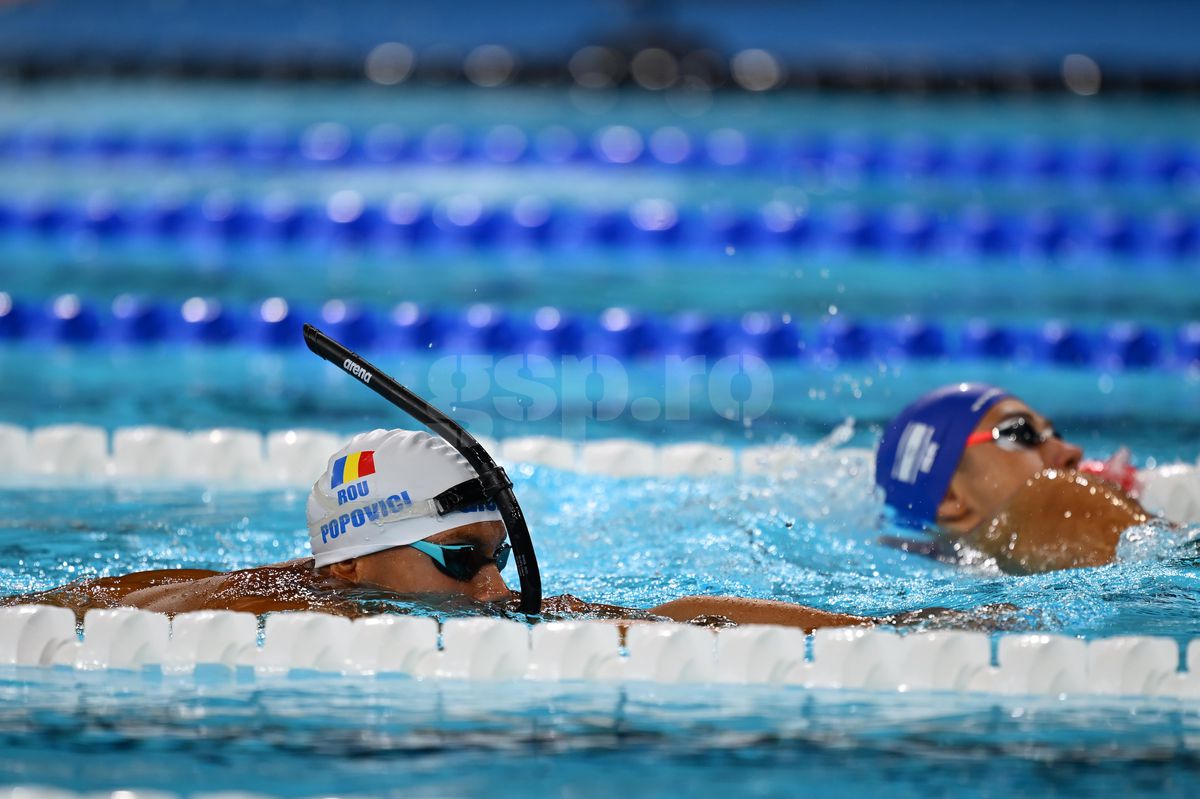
(377, 493)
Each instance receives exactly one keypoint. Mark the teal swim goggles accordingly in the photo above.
(462, 561)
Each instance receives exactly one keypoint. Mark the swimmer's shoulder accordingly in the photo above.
(306, 564)
(290, 585)
(1060, 519)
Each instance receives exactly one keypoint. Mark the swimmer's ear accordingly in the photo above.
(952, 511)
(345, 570)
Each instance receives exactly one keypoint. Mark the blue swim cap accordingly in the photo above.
(922, 446)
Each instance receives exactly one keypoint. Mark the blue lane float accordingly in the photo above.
(903, 156)
(552, 332)
(346, 219)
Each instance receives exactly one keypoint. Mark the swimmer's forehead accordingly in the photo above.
(1007, 408)
(486, 534)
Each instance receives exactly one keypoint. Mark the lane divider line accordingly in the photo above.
(227, 645)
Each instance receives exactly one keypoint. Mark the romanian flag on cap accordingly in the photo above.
(350, 467)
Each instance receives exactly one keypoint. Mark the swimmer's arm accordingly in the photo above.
(107, 592)
(213, 593)
(755, 611)
(266, 589)
(718, 610)
(1058, 520)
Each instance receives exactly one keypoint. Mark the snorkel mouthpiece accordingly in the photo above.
(491, 485)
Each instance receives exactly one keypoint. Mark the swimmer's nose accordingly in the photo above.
(1060, 454)
(489, 586)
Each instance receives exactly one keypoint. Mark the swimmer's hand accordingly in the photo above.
(1060, 519)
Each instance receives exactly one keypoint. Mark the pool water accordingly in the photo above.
(807, 536)
(808, 539)
(339, 737)
(1156, 414)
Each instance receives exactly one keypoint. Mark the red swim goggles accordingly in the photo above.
(1014, 435)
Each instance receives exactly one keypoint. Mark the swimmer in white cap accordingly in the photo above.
(416, 516)
(371, 525)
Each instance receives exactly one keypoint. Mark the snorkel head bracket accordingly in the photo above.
(492, 484)
(484, 488)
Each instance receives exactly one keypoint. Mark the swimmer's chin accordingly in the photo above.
(1085, 479)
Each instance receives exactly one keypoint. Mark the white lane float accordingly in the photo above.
(295, 457)
(491, 649)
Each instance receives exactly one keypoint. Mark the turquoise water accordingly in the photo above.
(1075, 283)
(1156, 414)
(407, 739)
(808, 537)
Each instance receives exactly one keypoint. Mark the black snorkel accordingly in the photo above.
(492, 485)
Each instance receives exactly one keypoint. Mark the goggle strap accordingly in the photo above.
(415, 510)
(981, 437)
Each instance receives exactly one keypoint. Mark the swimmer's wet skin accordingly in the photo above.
(980, 469)
(408, 513)
(450, 559)
(455, 556)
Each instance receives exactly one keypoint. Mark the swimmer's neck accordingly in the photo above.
(1060, 519)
